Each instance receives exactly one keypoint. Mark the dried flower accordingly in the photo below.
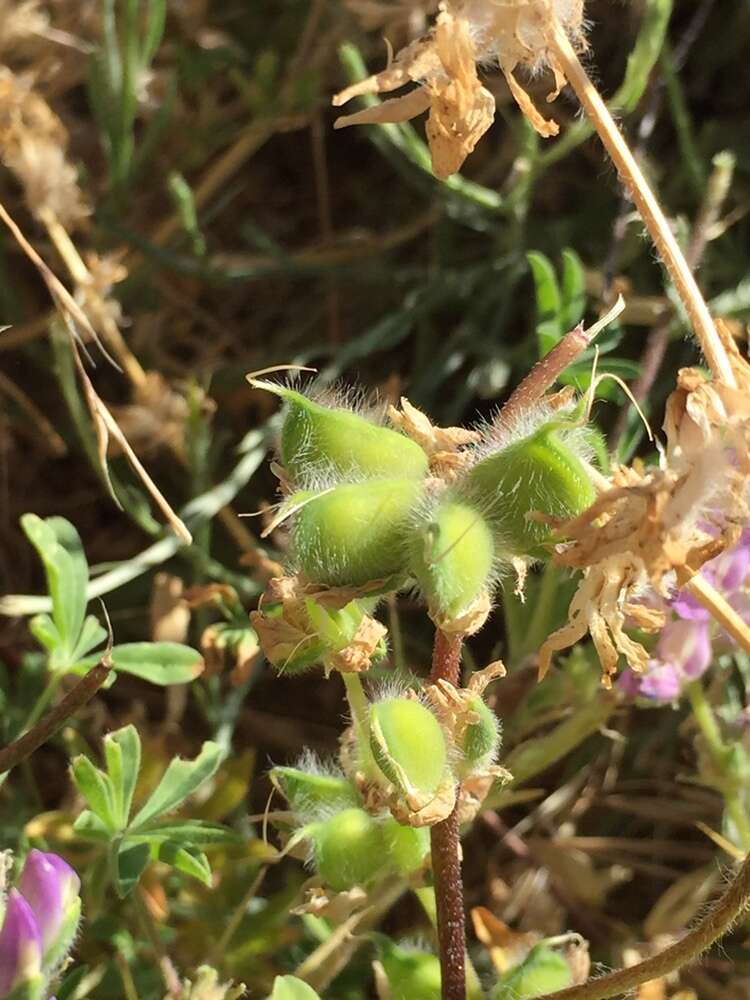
(443, 64)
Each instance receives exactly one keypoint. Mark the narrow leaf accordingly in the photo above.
(160, 663)
(180, 780)
(122, 750)
(132, 860)
(291, 988)
(97, 789)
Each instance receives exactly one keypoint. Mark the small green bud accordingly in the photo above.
(319, 439)
(542, 971)
(482, 738)
(452, 557)
(411, 974)
(406, 847)
(349, 849)
(307, 792)
(541, 472)
(408, 746)
(355, 533)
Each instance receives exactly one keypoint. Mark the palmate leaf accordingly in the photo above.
(180, 780)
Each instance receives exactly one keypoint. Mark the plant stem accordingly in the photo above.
(719, 753)
(646, 203)
(355, 695)
(445, 849)
(731, 905)
(82, 693)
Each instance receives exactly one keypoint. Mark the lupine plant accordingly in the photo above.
(376, 501)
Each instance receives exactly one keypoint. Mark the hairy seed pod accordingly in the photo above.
(542, 971)
(319, 439)
(355, 533)
(481, 739)
(411, 974)
(309, 793)
(406, 847)
(408, 746)
(452, 556)
(541, 472)
(349, 849)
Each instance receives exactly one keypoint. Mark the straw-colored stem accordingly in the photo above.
(721, 610)
(646, 203)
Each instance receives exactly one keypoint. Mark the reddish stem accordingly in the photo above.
(445, 844)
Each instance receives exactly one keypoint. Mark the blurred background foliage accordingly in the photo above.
(223, 227)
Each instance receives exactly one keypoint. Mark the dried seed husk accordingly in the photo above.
(540, 473)
(355, 533)
(319, 439)
(452, 555)
(409, 748)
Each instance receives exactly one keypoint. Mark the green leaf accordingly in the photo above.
(548, 301)
(92, 634)
(180, 780)
(194, 832)
(45, 632)
(96, 788)
(89, 825)
(122, 750)
(160, 663)
(291, 988)
(189, 860)
(59, 547)
(131, 863)
(573, 290)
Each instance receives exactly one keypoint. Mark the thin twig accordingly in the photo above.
(720, 920)
(81, 694)
(445, 850)
(646, 203)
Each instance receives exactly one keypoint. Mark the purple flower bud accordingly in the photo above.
(658, 682)
(51, 887)
(20, 944)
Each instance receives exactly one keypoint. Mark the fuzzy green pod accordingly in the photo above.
(411, 974)
(406, 847)
(541, 472)
(316, 438)
(542, 971)
(452, 556)
(481, 739)
(308, 792)
(355, 533)
(408, 746)
(349, 850)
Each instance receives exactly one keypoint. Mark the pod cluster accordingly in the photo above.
(367, 512)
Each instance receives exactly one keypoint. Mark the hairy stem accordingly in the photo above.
(82, 693)
(445, 848)
(731, 906)
(647, 205)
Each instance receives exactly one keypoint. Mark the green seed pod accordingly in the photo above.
(482, 738)
(355, 534)
(406, 847)
(541, 472)
(408, 746)
(319, 439)
(542, 971)
(307, 792)
(452, 557)
(411, 974)
(349, 849)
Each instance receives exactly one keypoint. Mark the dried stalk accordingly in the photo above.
(646, 203)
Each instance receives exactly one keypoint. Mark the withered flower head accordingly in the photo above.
(443, 64)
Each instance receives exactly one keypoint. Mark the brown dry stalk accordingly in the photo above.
(720, 920)
(646, 203)
(445, 850)
(81, 694)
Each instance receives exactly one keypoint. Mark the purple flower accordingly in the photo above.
(20, 944)
(50, 887)
(684, 649)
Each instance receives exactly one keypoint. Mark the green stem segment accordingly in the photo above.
(355, 695)
(720, 757)
(445, 844)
